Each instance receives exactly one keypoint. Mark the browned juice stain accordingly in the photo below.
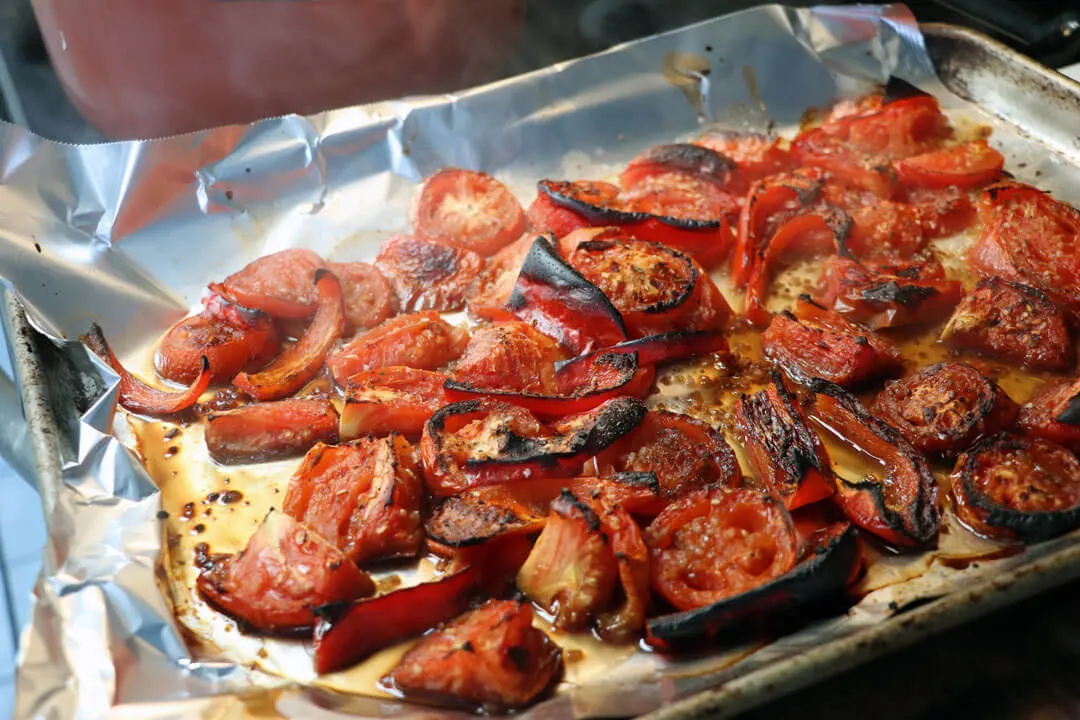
(689, 72)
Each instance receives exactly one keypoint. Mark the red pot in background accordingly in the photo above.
(147, 68)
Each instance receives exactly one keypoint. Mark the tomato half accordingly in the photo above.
(281, 284)
(756, 155)
(423, 341)
(366, 294)
(1014, 323)
(694, 162)
(511, 356)
(491, 657)
(1015, 487)
(944, 408)
(391, 399)
(966, 165)
(502, 272)
(429, 275)
(716, 543)
(364, 497)
(135, 395)
(1054, 413)
(270, 430)
(283, 574)
(292, 369)
(885, 229)
(468, 209)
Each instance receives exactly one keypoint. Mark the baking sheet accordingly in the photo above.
(129, 233)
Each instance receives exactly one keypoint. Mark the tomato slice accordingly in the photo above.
(784, 452)
(281, 284)
(693, 160)
(557, 300)
(717, 543)
(511, 356)
(423, 341)
(285, 571)
(943, 408)
(231, 338)
(393, 399)
(685, 454)
(363, 496)
(547, 216)
(270, 430)
(502, 273)
(346, 633)
(885, 229)
(1030, 237)
(898, 504)
(814, 342)
(1014, 323)
(941, 212)
(882, 299)
(1054, 413)
(367, 295)
(484, 442)
(291, 370)
(1015, 487)
(491, 657)
(135, 395)
(469, 210)
(966, 165)
(756, 155)
(429, 275)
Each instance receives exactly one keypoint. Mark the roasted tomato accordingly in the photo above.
(900, 505)
(429, 275)
(883, 299)
(467, 209)
(814, 342)
(756, 155)
(510, 356)
(717, 543)
(502, 273)
(391, 399)
(655, 288)
(885, 229)
(491, 658)
(482, 442)
(966, 165)
(557, 300)
(366, 294)
(1030, 237)
(244, 341)
(347, 632)
(138, 397)
(589, 565)
(1054, 413)
(270, 430)
(281, 284)
(1016, 487)
(941, 212)
(685, 454)
(1014, 323)
(652, 350)
(292, 369)
(423, 341)
(695, 160)
(943, 408)
(285, 572)
(364, 496)
(783, 451)
(828, 560)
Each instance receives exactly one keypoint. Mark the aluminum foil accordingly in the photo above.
(129, 233)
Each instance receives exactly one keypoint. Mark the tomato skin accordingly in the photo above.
(1013, 323)
(881, 299)
(393, 399)
(281, 284)
(429, 275)
(136, 396)
(346, 633)
(815, 342)
(367, 296)
(423, 341)
(967, 165)
(491, 657)
(900, 507)
(270, 430)
(716, 543)
(510, 356)
(943, 408)
(1014, 487)
(1054, 413)
(469, 210)
(484, 442)
(786, 454)
(365, 497)
(284, 573)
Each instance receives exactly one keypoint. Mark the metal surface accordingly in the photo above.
(129, 233)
